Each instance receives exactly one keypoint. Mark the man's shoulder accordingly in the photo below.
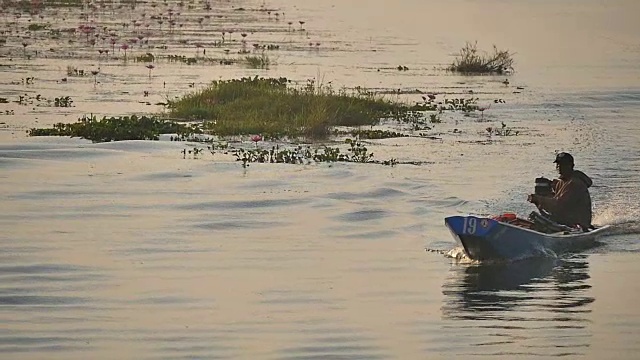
(576, 184)
(582, 177)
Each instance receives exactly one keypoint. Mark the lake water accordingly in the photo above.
(128, 250)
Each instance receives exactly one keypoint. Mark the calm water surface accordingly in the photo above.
(126, 250)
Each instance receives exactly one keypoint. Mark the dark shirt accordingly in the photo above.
(571, 203)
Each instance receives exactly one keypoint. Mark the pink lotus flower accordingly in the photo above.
(256, 138)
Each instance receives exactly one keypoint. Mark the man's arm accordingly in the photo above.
(563, 196)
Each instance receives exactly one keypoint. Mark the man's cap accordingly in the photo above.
(563, 158)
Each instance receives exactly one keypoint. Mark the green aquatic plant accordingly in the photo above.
(148, 57)
(73, 71)
(503, 130)
(435, 119)
(37, 27)
(115, 128)
(356, 153)
(471, 61)
(460, 104)
(28, 6)
(275, 108)
(258, 61)
(371, 134)
(63, 101)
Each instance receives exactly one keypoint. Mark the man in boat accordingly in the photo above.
(570, 202)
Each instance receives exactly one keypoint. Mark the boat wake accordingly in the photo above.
(623, 220)
(460, 257)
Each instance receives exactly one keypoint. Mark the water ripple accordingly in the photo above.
(239, 224)
(242, 204)
(363, 215)
(378, 193)
(341, 344)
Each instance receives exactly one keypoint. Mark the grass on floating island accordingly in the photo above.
(470, 61)
(270, 107)
(276, 109)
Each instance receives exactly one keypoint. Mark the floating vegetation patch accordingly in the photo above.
(356, 152)
(29, 6)
(258, 61)
(148, 57)
(371, 134)
(183, 59)
(471, 61)
(63, 101)
(275, 108)
(73, 71)
(503, 130)
(37, 27)
(39, 100)
(115, 128)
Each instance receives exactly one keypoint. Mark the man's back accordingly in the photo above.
(572, 201)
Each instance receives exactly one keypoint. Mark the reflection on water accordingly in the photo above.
(535, 307)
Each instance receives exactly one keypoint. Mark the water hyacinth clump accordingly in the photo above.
(357, 152)
(275, 108)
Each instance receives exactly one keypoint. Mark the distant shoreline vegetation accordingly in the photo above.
(470, 61)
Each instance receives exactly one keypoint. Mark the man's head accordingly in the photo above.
(564, 163)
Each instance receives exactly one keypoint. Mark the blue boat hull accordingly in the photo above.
(488, 239)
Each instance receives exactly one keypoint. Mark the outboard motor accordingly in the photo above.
(543, 187)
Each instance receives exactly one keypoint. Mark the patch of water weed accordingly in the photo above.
(37, 27)
(258, 61)
(31, 6)
(148, 57)
(39, 100)
(370, 134)
(182, 59)
(277, 109)
(357, 152)
(472, 61)
(115, 128)
(73, 71)
(503, 130)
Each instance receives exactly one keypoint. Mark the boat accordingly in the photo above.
(509, 237)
